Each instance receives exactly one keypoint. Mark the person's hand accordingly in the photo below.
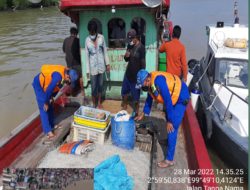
(170, 127)
(51, 101)
(45, 107)
(127, 54)
(140, 116)
(108, 68)
(88, 76)
(185, 80)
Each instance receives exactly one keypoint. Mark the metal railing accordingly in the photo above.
(226, 113)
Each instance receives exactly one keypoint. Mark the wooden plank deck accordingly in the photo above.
(38, 149)
(41, 146)
(163, 178)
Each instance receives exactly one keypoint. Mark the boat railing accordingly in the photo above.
(225, 114)
(219, 82)
(230, 107)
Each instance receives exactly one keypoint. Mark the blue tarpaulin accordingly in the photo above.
(111, 174)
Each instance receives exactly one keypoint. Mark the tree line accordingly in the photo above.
(22, 4)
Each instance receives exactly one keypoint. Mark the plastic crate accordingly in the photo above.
(80, 118)
(86, 133)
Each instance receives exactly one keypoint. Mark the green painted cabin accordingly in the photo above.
(143, 16)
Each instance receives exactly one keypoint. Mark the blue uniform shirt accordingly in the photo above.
(160, 83)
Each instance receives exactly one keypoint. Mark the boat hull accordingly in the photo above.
(229, 145)
(230, 151)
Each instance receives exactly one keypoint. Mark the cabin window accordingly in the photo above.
(139, 25)
(233, 73)
(99, 25)
(116, 33)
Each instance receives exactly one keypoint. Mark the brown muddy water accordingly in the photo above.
(28, 39)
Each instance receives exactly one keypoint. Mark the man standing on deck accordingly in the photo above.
(169, 90)
(71, 48)
(135, 56)
(46, 85)
(97, 62)
(175, 55)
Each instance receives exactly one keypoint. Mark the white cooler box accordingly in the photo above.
(86, 133)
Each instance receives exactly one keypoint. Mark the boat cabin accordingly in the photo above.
(227, 56)
(114, 19)
(224, 75)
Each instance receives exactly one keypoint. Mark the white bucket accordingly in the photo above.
(195, 93)
(189, 78)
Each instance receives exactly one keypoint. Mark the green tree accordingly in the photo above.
(21, 4)
(3, 4)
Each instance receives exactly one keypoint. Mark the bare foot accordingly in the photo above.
(100, 106)
(124, 106)
(50, 135)
(165, 164)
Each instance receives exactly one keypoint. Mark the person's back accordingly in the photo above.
(175, 55)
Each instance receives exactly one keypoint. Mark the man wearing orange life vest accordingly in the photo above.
(46, 85)
(169, 90)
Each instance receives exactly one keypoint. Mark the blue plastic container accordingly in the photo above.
(123, 133)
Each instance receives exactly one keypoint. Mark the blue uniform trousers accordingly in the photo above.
(47, 118)
(178, 113)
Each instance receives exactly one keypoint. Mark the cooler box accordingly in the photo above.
(86, 133)
(90, 117)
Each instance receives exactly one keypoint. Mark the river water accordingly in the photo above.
(30, 38)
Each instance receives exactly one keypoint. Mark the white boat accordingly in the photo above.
(222, 79)
(35, 1)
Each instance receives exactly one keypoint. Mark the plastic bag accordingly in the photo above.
(122, 116)
(77, 147)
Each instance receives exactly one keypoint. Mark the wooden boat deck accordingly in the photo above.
(40, 147)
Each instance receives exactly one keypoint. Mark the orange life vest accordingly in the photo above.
(45, 76)
(174, 86)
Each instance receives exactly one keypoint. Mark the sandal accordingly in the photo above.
(165, 164)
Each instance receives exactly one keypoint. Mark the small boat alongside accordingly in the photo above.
(221, 80)
(25, 147)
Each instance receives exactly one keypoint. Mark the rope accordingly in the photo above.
(210, 107)
(205, 70)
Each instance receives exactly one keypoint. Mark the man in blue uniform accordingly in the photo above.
(169, 90)
(46, 85)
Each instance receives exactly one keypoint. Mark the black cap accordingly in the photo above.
(131, 34)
